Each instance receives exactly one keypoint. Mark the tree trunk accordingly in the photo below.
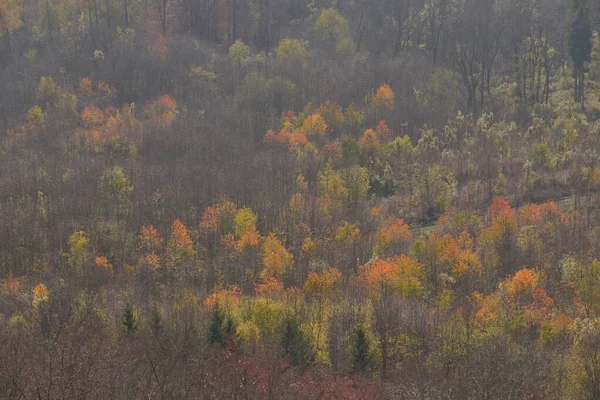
(267, 28)
(8, 45)
(517, 71)
(164, 20)
(126, 14)
(398, 44)
(107, 13)
(482, 89)
(233, 22)
(582, 84)
(91, 18)
(547, 85)
(49, 18)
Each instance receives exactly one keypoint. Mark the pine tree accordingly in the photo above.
(229, 328)
(129, 319)
(295, 344)
(360, 350)
(156, 322)
(216, 333)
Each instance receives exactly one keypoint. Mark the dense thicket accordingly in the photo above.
(300, 199)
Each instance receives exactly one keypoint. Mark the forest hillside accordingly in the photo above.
(300, 199)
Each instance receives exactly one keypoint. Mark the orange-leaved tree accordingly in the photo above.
(164, 109)
(392, 238)
(519, 303)
(277, 260)
(383, 101)
(390, 284)
(181, 255)
(498, 242)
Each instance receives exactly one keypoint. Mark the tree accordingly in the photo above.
(181, 255)
(238, 52)
(587, 348)
(314, 124)
(10, 18)
(275, 257)
(436, 15)
(293, 51)
(156, 324)
(36, 117)
(357, 183)
(580, 45)
(536, 64)
(477, 34)
(585, 277)
(498, 241)
(130, 323)
(78, 255)
(116, 188)
(360, 349)
(149, 239)
(393, 238)
(162, 110)
(40, 295)
(386, 282)
(50, 18)
(216, 332)
(332, 29)
(382, 103)
(444, 95)
(104, 265)
(47, 92)
(245, 221)
(295, 344)
(10, 15)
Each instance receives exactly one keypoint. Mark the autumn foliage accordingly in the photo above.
(383, 98)
(163, 109)
(393, 236)
(398, 275)
(299, 199)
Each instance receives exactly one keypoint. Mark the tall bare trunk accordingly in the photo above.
(126, 14)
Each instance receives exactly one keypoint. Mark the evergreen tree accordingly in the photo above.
(216, 333)
(129, 319)
(360, 350)
(229, 328)
(580, 44)
(156, 322)
(295, 344)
